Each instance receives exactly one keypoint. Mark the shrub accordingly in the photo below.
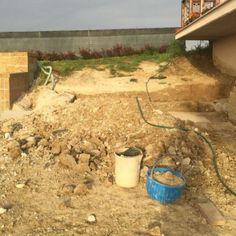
(176, 48)
(117, 51)
(53, 56)
(163, 49)
(86, 54)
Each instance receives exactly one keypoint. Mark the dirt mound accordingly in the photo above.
(167, 178)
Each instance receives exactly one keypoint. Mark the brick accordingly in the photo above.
(211, 213)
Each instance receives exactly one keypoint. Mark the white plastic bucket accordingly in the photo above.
(127, 168)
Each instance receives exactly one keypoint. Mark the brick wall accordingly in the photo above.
(16, 72)
(4, 92)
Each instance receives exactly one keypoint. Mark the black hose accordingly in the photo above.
(214, 154)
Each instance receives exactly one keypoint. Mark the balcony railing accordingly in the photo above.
(193, 9)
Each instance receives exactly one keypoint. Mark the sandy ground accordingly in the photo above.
(176, 86)
(44, 195)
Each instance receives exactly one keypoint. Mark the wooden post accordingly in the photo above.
(185, 12)
(190, 7)
(202, 5)
(182, 14)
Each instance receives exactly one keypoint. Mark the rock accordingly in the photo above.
(67, 97)
(67, 160)
(20, 186)
(31, 141)
(23, 155)
(87, 147)
(7, 206)
(43, 142)
(56, 148)
(84, 159)
(14, 149)
(92, 219)
(7, 135)
(185, 150)
(186, 161)
(171, 150)
(156, 231)
(2, 210)
(81, 189)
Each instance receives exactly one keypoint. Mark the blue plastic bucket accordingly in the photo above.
(161, 192)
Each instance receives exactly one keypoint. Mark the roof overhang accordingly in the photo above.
(219, 22)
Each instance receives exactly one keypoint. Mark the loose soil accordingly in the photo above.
(167, 178)
(57, 163)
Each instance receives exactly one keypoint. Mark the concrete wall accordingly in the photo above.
(224, 54)
(16, 73)
(61, 41)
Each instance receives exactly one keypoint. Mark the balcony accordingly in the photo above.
(193, 9)
(207, 19)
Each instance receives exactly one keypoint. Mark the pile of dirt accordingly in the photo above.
(167, 178)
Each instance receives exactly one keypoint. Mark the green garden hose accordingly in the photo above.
(214, 154)
(47, 70)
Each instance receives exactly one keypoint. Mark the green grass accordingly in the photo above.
(117, 65)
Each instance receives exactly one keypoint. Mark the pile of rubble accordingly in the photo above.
(83, 138)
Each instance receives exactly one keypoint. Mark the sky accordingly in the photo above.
(44, 15)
